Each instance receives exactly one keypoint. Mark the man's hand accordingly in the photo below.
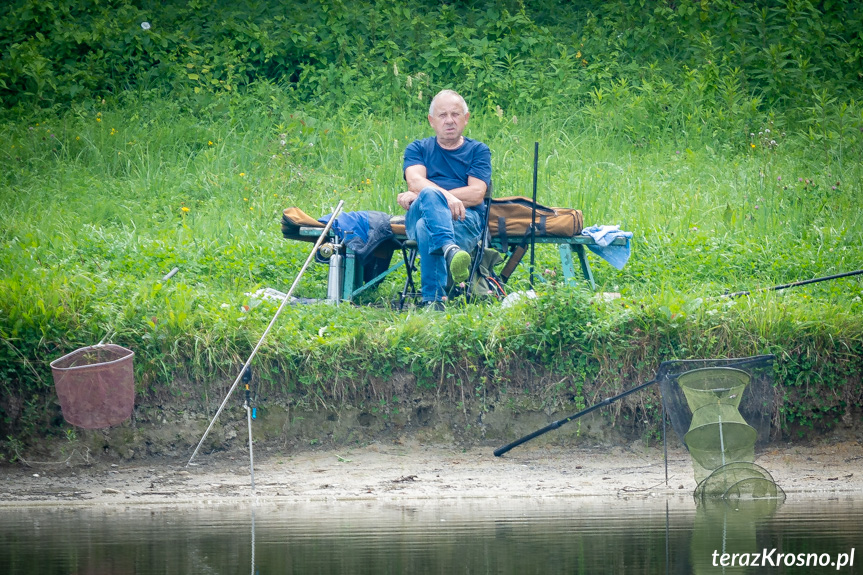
(405, 199)
(456, 206)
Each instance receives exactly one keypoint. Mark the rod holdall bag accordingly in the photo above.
(510, 217)
(293, 219)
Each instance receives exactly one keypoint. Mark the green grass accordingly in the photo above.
(98, 203)
(116, 184)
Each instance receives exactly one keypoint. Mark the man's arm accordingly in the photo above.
(473, 193)
(415, 176)
(458, 199)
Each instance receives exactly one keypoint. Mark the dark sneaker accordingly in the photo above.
(457, 264)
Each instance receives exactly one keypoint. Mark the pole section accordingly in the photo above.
(533, 210)
(270, 326)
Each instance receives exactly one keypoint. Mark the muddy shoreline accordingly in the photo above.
(427, 449)
(407, 469)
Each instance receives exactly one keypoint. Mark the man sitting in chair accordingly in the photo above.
(447, 176)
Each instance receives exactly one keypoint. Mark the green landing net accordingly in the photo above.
(739, 480)
(717, 434)
(721, 410)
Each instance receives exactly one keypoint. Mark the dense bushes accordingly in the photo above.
(379, 55)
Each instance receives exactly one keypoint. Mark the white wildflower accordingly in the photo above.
(145, 25)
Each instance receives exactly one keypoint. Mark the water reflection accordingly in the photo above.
(471, 536)
(728, 527)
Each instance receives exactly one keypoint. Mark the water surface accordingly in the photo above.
(572, 535)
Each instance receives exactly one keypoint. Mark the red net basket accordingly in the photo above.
(95, 385)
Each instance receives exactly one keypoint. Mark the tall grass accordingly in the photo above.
(98, 203)
(157, 184)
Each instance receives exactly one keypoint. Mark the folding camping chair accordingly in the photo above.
(410, 250)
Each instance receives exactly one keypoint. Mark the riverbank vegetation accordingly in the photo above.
(138, 138)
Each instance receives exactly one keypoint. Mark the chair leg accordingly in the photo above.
(474, 270)
(409, 253)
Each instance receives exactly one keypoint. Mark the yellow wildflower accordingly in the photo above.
(753, 145)
(242, 174)
(185, 209)
(210, 142)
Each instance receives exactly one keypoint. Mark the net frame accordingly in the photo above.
(709, 385)
(738, 480)
(95, 385)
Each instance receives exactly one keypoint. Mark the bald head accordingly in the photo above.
(447, 95)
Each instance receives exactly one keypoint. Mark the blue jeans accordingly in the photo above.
(429, 222)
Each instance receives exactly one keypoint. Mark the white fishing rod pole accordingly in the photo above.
(287, 297)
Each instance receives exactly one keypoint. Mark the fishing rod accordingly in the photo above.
(251, 413)
(554, 425)
(533, 210)
(111, 332)
(324, 234)
(795, 284)
(170, 274)
(662, 374)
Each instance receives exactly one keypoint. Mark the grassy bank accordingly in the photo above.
(98, 202)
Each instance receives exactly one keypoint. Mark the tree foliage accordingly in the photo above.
(376, 54)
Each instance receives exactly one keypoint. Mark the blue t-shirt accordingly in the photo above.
(449, 169)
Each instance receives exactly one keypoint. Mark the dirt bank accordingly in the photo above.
(408, 469)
